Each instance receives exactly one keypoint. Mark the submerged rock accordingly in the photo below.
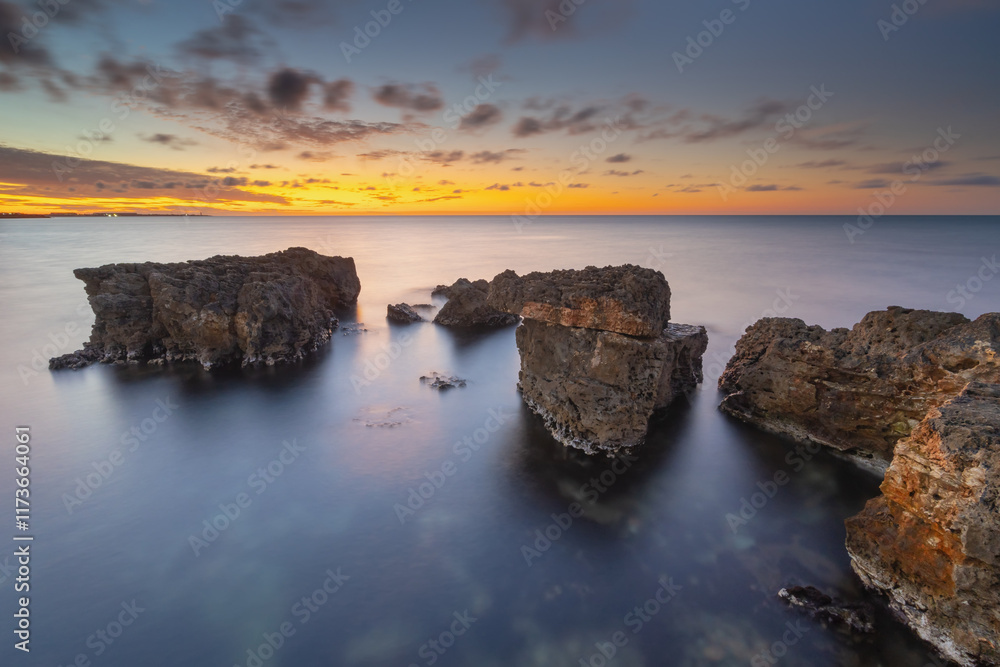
(467, 306)
(588, 367)
(403, 313)
(224, 309)
(858, 391)
(440, 381)
(931, 541)
(846, 617)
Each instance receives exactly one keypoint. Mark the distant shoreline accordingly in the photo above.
(102, 215)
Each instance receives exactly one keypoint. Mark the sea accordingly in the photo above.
(341, 512)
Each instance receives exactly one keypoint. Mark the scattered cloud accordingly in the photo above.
(621, 157)
(169, 140)
(425, 97)
(482, 116)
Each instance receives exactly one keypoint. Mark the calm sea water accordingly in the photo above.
(485, 569)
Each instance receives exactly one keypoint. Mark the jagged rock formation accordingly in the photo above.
(931, 542)
(598, 356)
(858, 391)
(467, 308)
(402, 313)
(221, 310)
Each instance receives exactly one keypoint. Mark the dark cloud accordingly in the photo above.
(615, 172)
(489, 156)
(497, 186)
(897, 167)
(483, 115)
(59, 176)
(977, 180)
(770, 188)
(715, 127)
(221, 170)
(263, 166)
(561, 118)
(443, 157)
(579, 185)
(335, 94)
(313, 156)
(237, 39)
(872, 184)
(288, 88)
(421, 98)
(380, 154)
(823, 164)
(621, 157)
(169, 140)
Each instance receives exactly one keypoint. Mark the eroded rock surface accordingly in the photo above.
(224, 309)
(860, 390)
(467, 307)
(403, 313)
(598, 357)
(931, 541)
(624, 299)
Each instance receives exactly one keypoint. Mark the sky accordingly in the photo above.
(515, 107)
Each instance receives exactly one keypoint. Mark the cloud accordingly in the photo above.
(288, 88)
(872, 184)
(380, 154)
(770, 188)
(561, 118)
(759, 115)
(621, 157)
(482, 66)
(824, 164)
(237, 39)
(579, 185)
(221, 170)
(335, 94)
(483, 157)
(169, 140)
(421, 98)
(263, 166)
(897, 167)
(615, 172)
(443, 157)
(976, 179)
(34, 172)
(483, 115)
(497, 186)
(312, 156)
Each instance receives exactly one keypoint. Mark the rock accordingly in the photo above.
(439, 381)
(857, 391)
(596, 390)
(624, 299)
(467, 307)
(846, 617)
(403, 313)
(221, 310)
(931, 541)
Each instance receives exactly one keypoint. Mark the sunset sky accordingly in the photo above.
(500, 106)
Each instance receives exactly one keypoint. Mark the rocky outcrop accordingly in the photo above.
(597, 388)
(467, 307)
(402, 313)
(221, 310)
(624, 299)
(858, 391)
(931, 541)
(845, 617)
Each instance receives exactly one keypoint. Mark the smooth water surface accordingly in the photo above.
(441, 516)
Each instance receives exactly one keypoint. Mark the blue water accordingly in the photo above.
(469, 569)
